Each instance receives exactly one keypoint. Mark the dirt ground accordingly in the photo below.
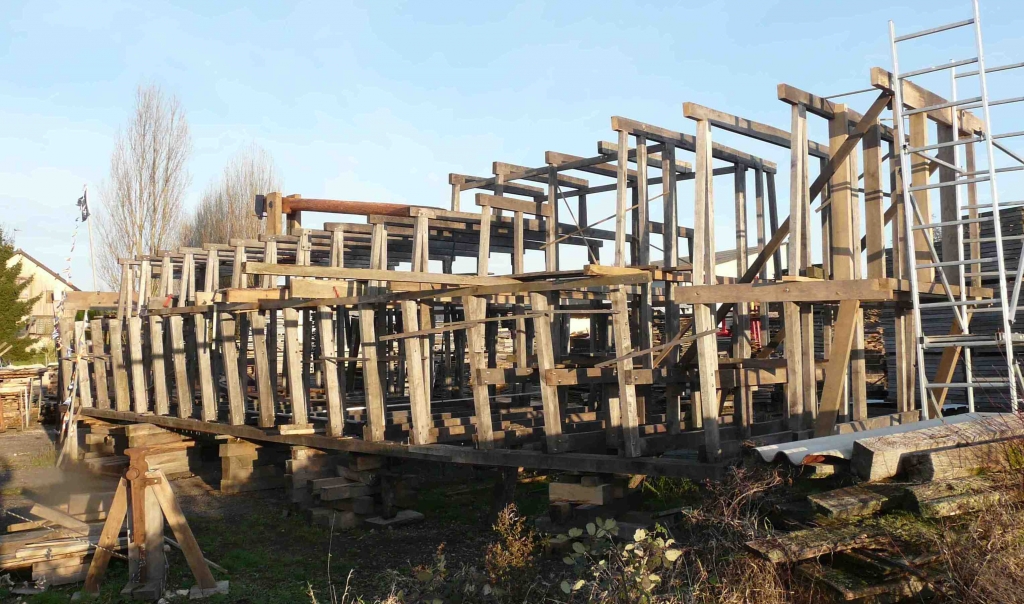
(271, 551)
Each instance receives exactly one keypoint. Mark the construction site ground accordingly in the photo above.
(273, 553)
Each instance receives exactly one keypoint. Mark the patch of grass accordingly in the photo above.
(10, 491)
(49, 597)
(42, 459)
(662, 492)
(454, 506)
(246, 559)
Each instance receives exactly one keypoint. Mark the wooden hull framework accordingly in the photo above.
(314, 337)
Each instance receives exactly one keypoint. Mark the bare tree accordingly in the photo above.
(148, 179)
(226, 209)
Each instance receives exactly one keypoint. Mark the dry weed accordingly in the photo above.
(983, 557)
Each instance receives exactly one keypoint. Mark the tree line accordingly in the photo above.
(143, 196)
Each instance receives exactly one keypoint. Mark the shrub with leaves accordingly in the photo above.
(619, 570)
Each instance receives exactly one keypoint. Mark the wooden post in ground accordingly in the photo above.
(204, 346)
(704, 274)
(84, 383)
(99, 363)
(743, 395)
(670, 238)
(546, 361)
(629, 414)
(140, 392)
(475, 309)
(419, 402)
(372, 384)
(122, 400)
(836, 370)
(845, 252)
(795, 406)
(920, 170)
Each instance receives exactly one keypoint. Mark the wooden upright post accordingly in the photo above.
(795, 407)
(670, 237)
(704, 274)
(743, 403)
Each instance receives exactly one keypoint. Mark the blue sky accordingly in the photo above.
(380, 101)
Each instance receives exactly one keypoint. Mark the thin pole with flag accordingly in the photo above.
(83, 206)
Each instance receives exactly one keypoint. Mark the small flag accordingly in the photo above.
(83, 205)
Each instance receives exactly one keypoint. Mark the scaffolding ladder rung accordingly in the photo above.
(963, 344)
(968, 74)
(1009, 135)
(998, 171)
(992, 239)
(1002, 205)
(949, 65)
(977, 103)
(957, 262)
(934, 30)
(961, 141)
(937, 385)
(949, 183)
(952, 303)
(932, 225)
(946, 105)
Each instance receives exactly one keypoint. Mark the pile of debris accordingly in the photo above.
(843, 537)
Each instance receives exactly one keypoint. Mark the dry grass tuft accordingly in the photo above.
(983, 557)
(510, 561)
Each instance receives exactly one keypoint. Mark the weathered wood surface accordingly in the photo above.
(884, 456)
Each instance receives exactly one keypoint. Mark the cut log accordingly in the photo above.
(960, 462)
(882, 456)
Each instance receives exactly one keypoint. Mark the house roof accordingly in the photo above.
(24, 254)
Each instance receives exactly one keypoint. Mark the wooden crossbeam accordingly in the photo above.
(366, 274)
(689, 143)
(750, 128)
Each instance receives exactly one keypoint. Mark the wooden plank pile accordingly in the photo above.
(357, 489)
(248, 466)
(19, 387)
(57, 541)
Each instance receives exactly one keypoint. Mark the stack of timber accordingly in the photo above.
(103, 445)
(575, 499)
(248, 466)
(19, 387)
(839, 538)
(57, 541)
(362, 490)
(306, 465)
